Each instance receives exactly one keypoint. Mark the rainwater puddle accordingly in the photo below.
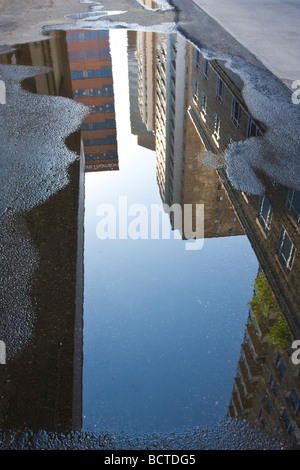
(187, 317)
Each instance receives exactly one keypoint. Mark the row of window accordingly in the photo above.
(292, 397)
(286, 249)
(84, 54)
(106, 90)
(103, 72)
(107, 108)
(252, 129)
(109, 155)
(108, 140)
(93, 126)
(75, 36)
(235, 113)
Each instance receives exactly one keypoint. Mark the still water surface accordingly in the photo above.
(169, 341)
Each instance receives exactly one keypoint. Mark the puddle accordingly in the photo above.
(183, 334)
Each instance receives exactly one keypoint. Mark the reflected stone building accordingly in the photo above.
(145, 49)
(92, 84)
(169, 116)
(145, 136)
(271, 222)
(51, 53)
(266, 389)
(267, 385)
(182, 177)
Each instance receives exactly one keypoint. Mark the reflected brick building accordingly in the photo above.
(92, 84)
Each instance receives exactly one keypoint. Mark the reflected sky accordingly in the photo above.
(162, 326)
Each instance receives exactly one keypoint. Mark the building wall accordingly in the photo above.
(92, 84)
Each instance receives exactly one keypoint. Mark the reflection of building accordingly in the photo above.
(220, 116)
(51, 53)
(145, 137)
(153, 5)
(217, 107)
(181, 177)
(92, 84)
(201, 183)
(272, 226)
(146, 77)
(169, 118)
(266, 389)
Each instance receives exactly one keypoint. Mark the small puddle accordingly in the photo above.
(190, 300)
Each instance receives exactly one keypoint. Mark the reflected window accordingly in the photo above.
(273, 386)
(293, 204)
(235, 112)
(286, 250)
(203, 106)
(252, 129)
(216, 130)
(265, 213)
(287, 422)
(220, 90)
(197, 59)
(196, 91)
(205, 69)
